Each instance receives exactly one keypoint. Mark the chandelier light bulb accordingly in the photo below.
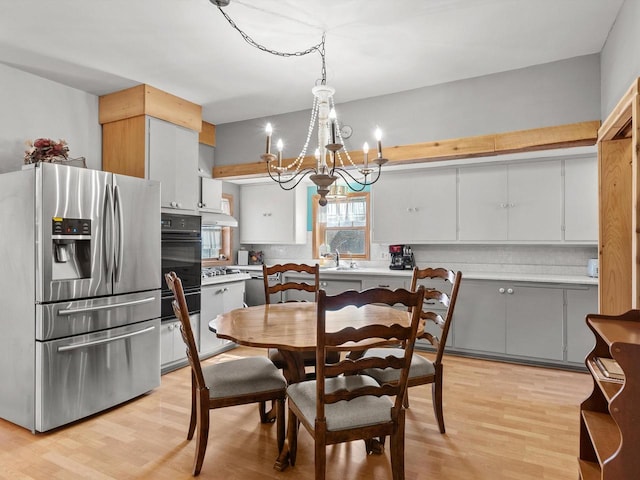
(379, 140)
(365, 150)
(269, 131)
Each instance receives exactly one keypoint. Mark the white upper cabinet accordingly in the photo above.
(416, 207)
(173, 160)
(581, 200)
(269, 214)
(519, 202)
(210, 195)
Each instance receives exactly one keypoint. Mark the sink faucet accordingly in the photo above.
(337, 258)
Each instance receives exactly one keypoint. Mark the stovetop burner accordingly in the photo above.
(208, 272)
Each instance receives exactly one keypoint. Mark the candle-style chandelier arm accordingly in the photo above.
(352, 182)
(294, 180)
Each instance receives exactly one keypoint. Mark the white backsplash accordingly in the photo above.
(537, 259)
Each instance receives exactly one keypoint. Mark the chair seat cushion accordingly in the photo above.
(242, 376)
(359, 412)
(309, 358)
(420, 366)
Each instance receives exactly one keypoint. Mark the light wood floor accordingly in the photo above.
(503, 422)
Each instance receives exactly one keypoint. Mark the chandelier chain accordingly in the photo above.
(315, 48)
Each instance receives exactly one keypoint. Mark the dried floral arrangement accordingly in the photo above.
(46, 150)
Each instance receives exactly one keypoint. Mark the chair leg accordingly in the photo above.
(397, 449)
(436, 398)
(320, 456)
(292, 437)
(203, 430)
(267, 416)
(280, 406)
(405, 400)
(192, 420)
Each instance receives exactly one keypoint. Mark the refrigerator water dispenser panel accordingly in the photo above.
(71, 239)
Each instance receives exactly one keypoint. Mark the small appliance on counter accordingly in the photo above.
(401, 257)
(592, 267)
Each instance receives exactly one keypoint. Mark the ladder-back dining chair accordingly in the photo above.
(341, 405)
(225, 384)
(284, 288)
(437, 312)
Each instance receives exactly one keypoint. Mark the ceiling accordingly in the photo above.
(373, 47)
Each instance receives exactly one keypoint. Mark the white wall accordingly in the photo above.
(556, 93)
(620, 56)
(32, 107)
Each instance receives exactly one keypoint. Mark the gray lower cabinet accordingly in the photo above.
(531, 322)
(217, 299)
(172, 348)
(580, 339)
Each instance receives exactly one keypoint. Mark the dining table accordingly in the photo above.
(291, 328)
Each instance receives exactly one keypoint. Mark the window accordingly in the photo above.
(216, 241)
(343, 225)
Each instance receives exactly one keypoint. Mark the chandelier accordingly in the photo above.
(332, 160)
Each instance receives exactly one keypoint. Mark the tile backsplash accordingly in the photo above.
(542, 259)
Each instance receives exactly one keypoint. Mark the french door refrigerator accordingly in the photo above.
(79, 293)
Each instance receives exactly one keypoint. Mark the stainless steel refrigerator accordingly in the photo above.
(79, 293)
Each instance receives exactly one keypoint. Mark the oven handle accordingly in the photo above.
(71, 311)
(75, 346)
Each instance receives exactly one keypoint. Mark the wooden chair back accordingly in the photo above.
(280, 287)
(434, 297)
(181, 311)
(349, 337)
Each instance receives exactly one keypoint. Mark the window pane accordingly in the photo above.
(211, 241)
(346, 241)
(351, 212)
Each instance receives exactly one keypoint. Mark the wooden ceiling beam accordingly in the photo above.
(545, 138)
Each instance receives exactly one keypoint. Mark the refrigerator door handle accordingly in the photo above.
(108, 232)
(120, 244)
(75, 346)
(72, 311)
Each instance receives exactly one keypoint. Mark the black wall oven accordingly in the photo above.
(181, 253)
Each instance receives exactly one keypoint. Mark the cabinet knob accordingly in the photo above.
(173, 204)
(323, 284)
(501, 290)
(503, 205)
(409, 209)
(510, 291)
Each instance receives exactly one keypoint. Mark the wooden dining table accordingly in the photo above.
(291, 328)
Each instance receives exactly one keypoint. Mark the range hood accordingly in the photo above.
(218, 219)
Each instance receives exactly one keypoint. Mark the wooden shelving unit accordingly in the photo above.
(610, 416)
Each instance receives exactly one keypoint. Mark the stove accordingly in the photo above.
(213, 275)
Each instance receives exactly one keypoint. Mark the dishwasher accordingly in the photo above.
(254, 289)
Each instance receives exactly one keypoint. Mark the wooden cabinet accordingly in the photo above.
(415, 207)
(512, 319)
(172, 347)
(581, 200)
(610, 416)
(518, 202)
(150, 148)
(217, 299)
(269, 214)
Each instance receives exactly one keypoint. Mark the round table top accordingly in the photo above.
(292, 326)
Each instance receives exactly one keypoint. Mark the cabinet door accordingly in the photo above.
(415, 208)
(479, 319)
(535, 321)
(391, 198)
(535, 201)
(234, 296)
(167, 340)
(580, 339)
(483, 203)
(186, 168)
(217, 299)
(385, 282)
(269, 214)
(173, 161)
(210, 194)
(335, 286)
(581, 199)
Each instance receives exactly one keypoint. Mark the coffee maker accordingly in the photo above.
(401, 257)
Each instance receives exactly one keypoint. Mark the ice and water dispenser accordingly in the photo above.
(71, 246)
